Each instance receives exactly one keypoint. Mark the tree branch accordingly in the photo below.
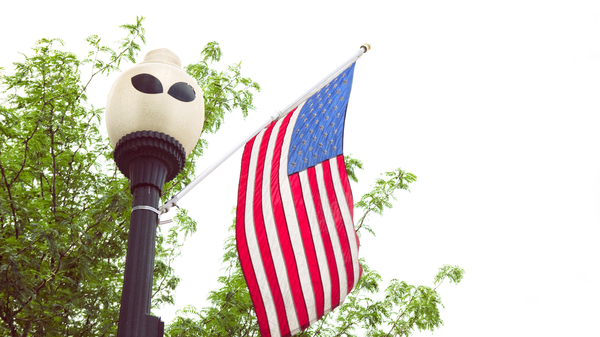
(12, 206)
(405, 309)
(106, 66)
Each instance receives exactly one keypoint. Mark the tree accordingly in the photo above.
(64, 207)
(402, 309)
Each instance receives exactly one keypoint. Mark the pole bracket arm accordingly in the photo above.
(166, 207)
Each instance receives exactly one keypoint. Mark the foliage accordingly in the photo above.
(379, 198)
(62, 217)
(220, 88)
(64, 207)
(402, 309)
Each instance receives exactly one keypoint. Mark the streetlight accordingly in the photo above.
(154, 117)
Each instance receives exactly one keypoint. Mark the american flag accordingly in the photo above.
(295, 232)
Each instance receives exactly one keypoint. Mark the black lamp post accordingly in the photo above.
(152, 130)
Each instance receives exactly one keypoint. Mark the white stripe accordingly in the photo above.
(335, 241)
(313, 221)
(273, 236)
(289, 209)
(253, 247)
(345, 210)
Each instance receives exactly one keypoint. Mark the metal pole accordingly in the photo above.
(134, 316)
(148, 159)
(173, 201)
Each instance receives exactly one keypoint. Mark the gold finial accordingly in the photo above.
(366, 47)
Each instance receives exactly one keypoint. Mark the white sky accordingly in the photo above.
(493, 105)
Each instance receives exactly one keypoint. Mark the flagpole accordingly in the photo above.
(173, 201)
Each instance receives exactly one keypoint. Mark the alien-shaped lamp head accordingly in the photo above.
(156, 95)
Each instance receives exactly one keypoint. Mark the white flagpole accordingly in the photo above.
(173, 201)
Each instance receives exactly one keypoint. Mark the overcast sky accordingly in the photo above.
(493, 105)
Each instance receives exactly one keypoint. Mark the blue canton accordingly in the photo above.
(319, 131)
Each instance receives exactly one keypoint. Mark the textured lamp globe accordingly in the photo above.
(155, 95)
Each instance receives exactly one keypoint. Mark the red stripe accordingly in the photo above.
(262, 238)
(339, 224)
(333, 273)
(309, 247)
(345, 183)
(349, 198)
(242, 245)
(282, 230)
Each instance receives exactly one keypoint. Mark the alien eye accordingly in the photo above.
(147, 84)
(182, 91)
